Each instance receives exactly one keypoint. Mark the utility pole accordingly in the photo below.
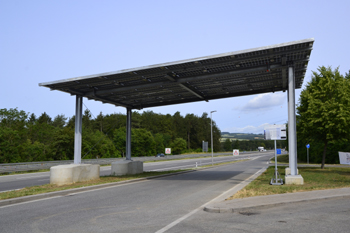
(211, 123)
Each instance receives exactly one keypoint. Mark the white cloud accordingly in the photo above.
(265, 101)
(248, 129)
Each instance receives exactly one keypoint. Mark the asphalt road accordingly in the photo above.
(12, 182)
(322, 216)
(157, 205)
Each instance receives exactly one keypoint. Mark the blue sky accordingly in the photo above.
(44, 41)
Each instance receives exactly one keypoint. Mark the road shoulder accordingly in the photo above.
(242, 204)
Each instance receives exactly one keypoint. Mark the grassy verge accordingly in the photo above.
(284, 159)
(281, 159)
(314, 179)
(103, 180)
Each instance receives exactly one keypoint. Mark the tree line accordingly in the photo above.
(323, 116)
(25, 137)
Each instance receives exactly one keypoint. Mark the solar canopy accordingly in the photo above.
(232, 74)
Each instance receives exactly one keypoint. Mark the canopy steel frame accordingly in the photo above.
(246, 72)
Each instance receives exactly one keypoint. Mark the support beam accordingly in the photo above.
(182, 80)
(78, 129)
(128, 134)
(292, 132)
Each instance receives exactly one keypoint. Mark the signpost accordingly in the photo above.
(308, 146)
(168, 151)
(344, 157)
(235, 152)
(205, 146)
(276, 132)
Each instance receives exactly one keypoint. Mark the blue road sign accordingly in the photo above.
(308, 146)
(278, 151)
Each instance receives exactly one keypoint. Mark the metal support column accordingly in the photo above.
(78, 129)
(128, 134)
(292, 131)
(276, 179)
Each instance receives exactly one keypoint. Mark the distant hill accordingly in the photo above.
(240, 136)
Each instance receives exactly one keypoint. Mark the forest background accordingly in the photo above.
(26, 138)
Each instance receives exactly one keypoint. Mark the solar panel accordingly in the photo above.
(226, 75)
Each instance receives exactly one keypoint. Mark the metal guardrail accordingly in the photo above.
(34, 166)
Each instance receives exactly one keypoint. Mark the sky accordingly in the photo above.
(43, 41)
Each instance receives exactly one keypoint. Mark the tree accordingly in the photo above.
(178, 145)
(324, 109)
(159, 141)
(227, 145)
(236, 145)
(59, 121)
(44, 119)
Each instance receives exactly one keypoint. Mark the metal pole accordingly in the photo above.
(292, 134)
(211, 130)
(128, 134)
(276, 171)
(78, 129)
(307, 155)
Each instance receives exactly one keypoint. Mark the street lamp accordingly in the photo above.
(211, 130)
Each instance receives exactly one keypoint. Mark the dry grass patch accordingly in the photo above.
(314, 179)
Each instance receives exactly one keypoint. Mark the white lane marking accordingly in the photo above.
(29, 177)
(43, 180)
(164, 229)
(72, 194)
(1, 207)
(24, 174)
(187, 160)
(9, 190)
(193, 165)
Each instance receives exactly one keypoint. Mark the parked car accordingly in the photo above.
(160, 155)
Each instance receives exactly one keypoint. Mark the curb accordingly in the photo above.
(17, 200)
(211, 209)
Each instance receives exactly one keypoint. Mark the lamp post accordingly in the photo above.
(211, 130)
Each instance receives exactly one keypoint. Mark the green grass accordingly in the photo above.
(314, 179)
(281, 159)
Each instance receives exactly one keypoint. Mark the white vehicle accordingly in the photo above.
(261, 148)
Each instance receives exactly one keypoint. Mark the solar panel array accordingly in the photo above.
(246, 72)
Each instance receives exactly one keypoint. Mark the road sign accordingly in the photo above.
(344, 157)
(205, 146)
(168, 151)
(308, 146)
(278, 151)
(275, 132)
(235, 152)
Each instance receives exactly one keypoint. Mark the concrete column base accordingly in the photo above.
(297, 179)
(287, 171)
(126, 167)
(72, 173)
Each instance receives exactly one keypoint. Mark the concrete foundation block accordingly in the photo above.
(297, 179)
(126, 167)
(72, 173)
(287, 171)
